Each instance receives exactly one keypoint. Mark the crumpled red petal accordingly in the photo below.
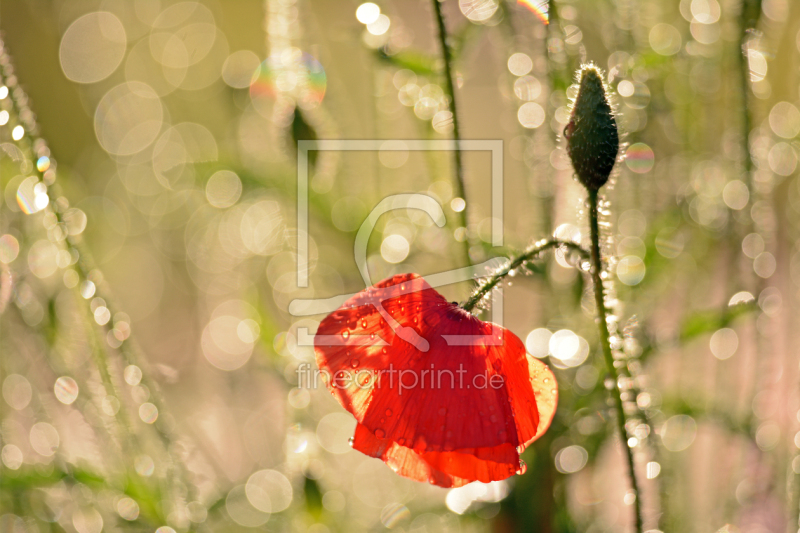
(448, 414)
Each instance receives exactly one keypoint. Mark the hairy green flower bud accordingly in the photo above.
(592, 138)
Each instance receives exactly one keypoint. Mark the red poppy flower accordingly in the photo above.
(439, 395)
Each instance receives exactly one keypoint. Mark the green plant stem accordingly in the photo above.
(602, 327)
(529, 254)
(744, 87)
(450, 91)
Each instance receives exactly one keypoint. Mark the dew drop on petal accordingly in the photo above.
(380, 433)
(346, 334)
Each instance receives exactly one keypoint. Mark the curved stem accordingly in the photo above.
(450, 90)
(529, 254)
(602, 327)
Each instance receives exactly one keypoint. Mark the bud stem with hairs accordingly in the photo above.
(593, 145)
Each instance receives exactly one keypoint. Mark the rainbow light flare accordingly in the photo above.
(302, 77)
(540, 8)
(26, 196)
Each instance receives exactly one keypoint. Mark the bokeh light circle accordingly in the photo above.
(639, 158)
(631, 270)
(665, 39)
(395, 248)
(527, 88)
(784, 120)
(128, 509)
(269, 491)
(678, 432)
(478, 10)
(92, 47)
(368, 12)
(9, 248)
(724, 343)
(531, 115)
(66, 390)
(537, 343)
(128, 118)
(571, 459)
(223, 189)
(333, 432)
(520, 64)
(242, 511)
(239, 69)
(17, 391)
(44, 439)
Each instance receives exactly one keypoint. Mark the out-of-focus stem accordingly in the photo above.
(602, 327)
(744, 86)
(529, 254)
(458, 166)
(177, 469)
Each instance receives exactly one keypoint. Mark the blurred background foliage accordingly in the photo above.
(149, 364)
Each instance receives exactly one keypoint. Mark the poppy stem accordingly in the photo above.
(532, 252)
(602, 326)
(450, 91)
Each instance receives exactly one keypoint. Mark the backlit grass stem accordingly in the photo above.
(450, 91)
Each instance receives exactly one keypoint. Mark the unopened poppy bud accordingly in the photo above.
(592, 138)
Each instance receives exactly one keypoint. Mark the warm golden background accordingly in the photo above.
(153, 383)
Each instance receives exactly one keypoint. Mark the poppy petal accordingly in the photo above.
(439, 395)
(445, 469)
(545, 388)
(402, 460)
